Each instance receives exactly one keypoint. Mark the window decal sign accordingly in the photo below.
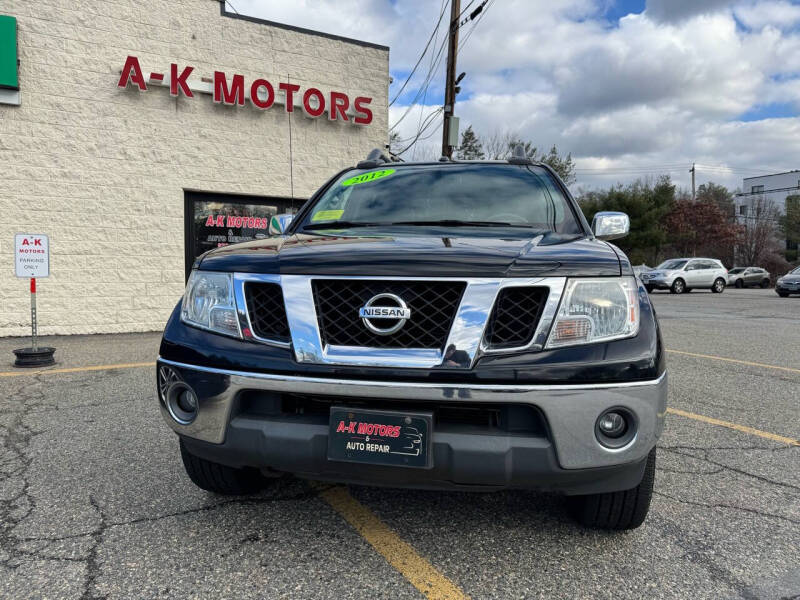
(262, 94)
(367, 177)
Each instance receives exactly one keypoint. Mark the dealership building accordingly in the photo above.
(138, 134)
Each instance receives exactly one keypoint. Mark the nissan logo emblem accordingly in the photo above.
(379, 308)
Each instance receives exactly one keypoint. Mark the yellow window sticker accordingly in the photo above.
(327, 215)
(367, 177)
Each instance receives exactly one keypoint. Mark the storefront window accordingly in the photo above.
(214, 220)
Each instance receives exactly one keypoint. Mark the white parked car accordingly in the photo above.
(679, 275)
(639, 269)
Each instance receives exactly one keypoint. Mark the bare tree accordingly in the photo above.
(758, 240)
(498, 145)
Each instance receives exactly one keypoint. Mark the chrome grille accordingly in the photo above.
(515, 316)
(433, 306)
(267, 311)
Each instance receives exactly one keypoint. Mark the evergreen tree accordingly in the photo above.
(470, 148)
(647, 205)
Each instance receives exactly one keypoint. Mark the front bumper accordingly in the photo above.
(659, 282)
(569, 411)
(787, 288)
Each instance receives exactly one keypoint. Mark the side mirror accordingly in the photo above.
(279, 223)
(611, 225)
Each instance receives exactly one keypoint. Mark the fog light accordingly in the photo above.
(187, 401)
(616, 428)
(613, 425)
(182, 403)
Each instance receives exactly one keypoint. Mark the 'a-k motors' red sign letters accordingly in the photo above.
(260, 92)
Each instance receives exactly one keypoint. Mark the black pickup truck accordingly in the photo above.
(446, 325)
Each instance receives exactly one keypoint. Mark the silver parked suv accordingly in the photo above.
(679, 275)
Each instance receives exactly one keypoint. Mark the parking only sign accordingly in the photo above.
(31, 255)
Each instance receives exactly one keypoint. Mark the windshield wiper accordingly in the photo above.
(440, 223)
(459, 223)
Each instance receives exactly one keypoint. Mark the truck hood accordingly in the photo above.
(416, 256)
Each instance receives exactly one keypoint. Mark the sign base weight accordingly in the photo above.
(30, 357)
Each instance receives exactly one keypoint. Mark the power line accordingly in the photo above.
(228, 2)
(478, 20)
(670, 167)
(463, 10)
(421, 56)
(633, 169)
(429, 120)
(431, 134)
(426, 83)
(425, 95)
(423, 125)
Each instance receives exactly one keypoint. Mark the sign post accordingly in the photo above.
(32, 261)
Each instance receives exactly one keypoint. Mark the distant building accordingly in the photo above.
(772, 188)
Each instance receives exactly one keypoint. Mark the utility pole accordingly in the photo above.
(450, 82)
(694, 193)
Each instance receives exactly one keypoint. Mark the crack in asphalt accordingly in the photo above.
(15, 437)
(664, 469)
(754, 511)
(248, 501)
(16, 440)
(724, 467)
(92, 567)
(698, 552)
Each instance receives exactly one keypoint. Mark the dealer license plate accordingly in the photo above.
(379, 437)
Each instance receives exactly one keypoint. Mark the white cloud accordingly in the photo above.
(780, 14)
(652, 93)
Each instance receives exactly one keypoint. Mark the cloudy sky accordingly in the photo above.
(630, 87)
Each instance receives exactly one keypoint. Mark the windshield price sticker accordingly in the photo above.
(327, 215)
(367, 177)
(31, 255)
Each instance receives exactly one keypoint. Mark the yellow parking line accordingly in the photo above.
(734, 360)
(743, 428)
(422, 574)
(22, 373)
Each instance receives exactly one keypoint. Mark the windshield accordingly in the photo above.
(736, 270)
(671, 265)
(795, 271)
(462, 195)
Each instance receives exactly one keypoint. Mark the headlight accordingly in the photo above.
(596, 310)
(208, 303)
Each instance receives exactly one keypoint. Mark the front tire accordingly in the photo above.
(618, 510)
(739, 284)
(783, 294)
(220, 479)
(649, 289)
(678, 286)
(719, 286)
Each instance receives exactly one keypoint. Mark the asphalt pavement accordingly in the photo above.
(94, 502)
